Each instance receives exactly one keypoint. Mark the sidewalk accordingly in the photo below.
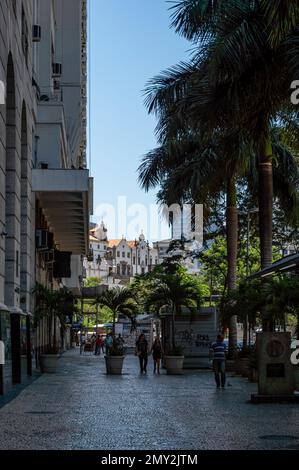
(82, 408)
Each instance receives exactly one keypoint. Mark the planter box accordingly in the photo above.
(174, 364)
(243, 366)
(50, 363)
(296, 377)
(253, 375)
(114, 364)
(230, 365)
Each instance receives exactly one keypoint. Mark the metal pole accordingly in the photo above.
(97, 314)
(248, 244)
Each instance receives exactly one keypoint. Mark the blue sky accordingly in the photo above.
(130, 42)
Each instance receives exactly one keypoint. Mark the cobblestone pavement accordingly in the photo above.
(82, 408)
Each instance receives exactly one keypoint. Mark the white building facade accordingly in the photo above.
(117, 261)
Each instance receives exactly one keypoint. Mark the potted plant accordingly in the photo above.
(52, 306)
(117, 300)
(174, 291)
(115, 359)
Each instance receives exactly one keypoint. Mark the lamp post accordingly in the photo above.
(246, 330)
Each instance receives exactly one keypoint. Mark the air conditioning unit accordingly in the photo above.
(41, 239)
(36, 33)
(57, 70)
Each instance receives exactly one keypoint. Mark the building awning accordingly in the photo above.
(66, 198)
(286, 264)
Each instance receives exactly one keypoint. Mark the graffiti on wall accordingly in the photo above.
(192, 339)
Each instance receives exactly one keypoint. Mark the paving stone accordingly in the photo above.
(81, 407)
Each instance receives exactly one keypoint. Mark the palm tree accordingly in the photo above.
(173, 291)
(52, 305)
(243, 63)
(118, 300)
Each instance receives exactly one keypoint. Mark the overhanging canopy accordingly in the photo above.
(65, 196)
(288, 263)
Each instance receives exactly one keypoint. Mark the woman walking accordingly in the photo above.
(157, 351)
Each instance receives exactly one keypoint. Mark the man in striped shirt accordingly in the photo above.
(217, 353)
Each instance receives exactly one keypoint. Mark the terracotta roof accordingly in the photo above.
(116, 242)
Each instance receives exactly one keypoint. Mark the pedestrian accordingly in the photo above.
(108, 343)
(82, 342)
(157, 351)
(217, 353)
(98, 345)
(102, 346)
(119, 340)
(142, 352)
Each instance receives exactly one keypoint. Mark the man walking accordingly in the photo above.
(217, 353)
(142, 352)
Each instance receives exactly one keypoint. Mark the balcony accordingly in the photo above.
(66, 198)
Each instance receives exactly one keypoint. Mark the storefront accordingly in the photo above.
(16, 336)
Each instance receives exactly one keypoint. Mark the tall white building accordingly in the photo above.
(45, 190)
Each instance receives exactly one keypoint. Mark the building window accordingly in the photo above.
(25, 43)
(118, 269)
(118, 254)
(123, 254)
(124, 269)
(139, 260)
(134, 260)
(17, 263)
(129, 255)
(146, 261)
(99, 247)
(105, 247)
(156, 261)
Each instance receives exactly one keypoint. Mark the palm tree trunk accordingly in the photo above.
(232, 252)
(266, 214)
(245, 332)
(113, 324)
(173, 328)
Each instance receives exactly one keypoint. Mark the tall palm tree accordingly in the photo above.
(245, 61)
(173, 291)
(118, 300)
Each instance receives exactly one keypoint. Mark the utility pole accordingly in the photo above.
(246, 329)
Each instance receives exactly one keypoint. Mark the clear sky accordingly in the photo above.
(131, 41)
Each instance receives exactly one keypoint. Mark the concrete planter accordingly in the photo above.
(230, 365)
(243, 366)
(253, 375)
(296, 377)
(114, 364)
(50, 363)
(174, 364)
